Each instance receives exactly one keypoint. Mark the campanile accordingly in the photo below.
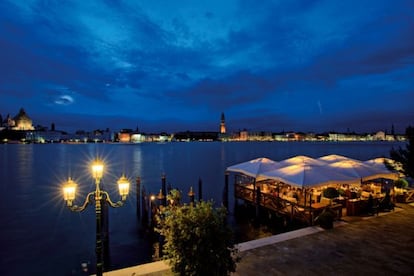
(222, 124)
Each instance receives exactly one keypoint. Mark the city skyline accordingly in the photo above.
(23, 122)
(173, 66)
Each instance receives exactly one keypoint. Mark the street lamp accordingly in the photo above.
(100, 197)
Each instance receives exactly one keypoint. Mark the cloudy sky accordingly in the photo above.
(175, 65)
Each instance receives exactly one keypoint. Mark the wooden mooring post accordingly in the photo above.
(164, 190)
(258, 195)
(226, 191)
(138, 196)
(200, 189)
(145, 217)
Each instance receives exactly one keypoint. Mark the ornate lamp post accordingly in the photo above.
(100, 197)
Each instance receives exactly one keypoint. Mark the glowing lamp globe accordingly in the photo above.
(69, 191)
(97, 169)
(123, 186)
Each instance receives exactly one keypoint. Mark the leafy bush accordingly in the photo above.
(330, 192)
(341, 192)
(198, 240)
(326, 218)
(401, 183)
(405, 156)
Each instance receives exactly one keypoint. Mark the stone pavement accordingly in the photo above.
(380, 245)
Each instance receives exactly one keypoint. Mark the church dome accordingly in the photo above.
(23, 121)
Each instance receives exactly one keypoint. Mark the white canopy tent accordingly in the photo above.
(363, 170)
(379, 163)
(309, 175)
(306, 172)
(300, 160)
(255, 167)
(332, 158)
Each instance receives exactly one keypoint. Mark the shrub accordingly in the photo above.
(405, 156)
(198, 240)
(401, 183)
(326, 218)
(330, 192)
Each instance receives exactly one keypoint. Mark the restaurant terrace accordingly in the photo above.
(301, 187)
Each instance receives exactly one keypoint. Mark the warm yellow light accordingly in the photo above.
(123, 186)
(191, 192)
(69, 191)
(97, 169)
(160, 195)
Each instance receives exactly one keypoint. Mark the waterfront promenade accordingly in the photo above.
(380, 245)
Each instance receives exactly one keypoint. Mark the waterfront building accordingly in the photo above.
(124, 136)
(244, 135)
(137, 138)
(260, 136)
(222, 135)
(222, 124)
(20, 122)
(45, 136)
(188, 136)
(281, 137)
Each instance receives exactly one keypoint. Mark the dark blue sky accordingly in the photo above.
(175, 65)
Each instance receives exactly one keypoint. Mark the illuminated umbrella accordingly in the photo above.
(300, 160)
(379, 164)
(332, 158)
(255, 167)
(362, 170)
(309, 175)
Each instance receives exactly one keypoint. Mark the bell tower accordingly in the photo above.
(222, 124)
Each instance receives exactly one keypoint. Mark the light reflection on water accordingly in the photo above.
(40, 235)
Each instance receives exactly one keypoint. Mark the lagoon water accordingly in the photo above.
(40, 236)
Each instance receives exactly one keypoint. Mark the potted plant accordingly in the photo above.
(330, 193)
(400, 184)
(326, 218)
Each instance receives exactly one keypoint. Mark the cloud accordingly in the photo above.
(64, 100)
(196, 59)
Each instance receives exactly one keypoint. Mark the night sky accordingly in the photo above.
(177, 65)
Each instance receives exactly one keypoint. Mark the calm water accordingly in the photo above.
(39, 235)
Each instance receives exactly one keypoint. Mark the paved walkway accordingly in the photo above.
(382, 245)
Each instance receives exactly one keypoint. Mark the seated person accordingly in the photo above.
(365, 194)
(386, 203)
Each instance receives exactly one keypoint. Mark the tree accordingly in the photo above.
(198, 240)
(406, 156)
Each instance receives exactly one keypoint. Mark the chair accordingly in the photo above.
(325, 200)
(373, 206)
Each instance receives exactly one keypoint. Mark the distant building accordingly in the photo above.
(124, 136)
(222, 124)
(45, 136)
(244, 135)
(259, 136)
(222, 135)
(380, 135)
(196, 136)
(137, 137)
(20, 122)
